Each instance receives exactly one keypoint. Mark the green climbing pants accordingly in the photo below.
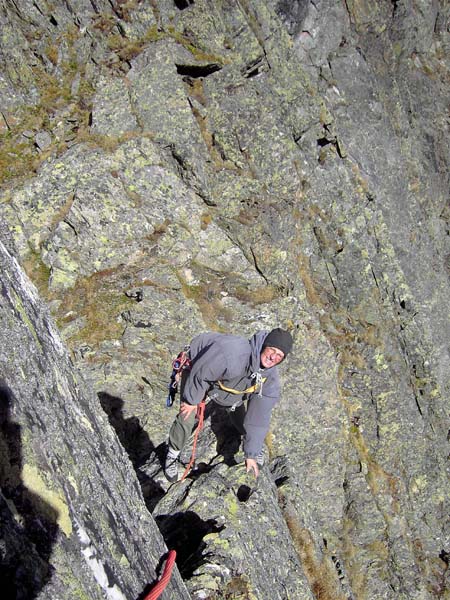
(182, 428)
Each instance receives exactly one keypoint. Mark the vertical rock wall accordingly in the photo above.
(74, 523)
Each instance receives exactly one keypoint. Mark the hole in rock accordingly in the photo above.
(252, 73)
(184, 532)
(323, 142)
(182, 4)
(244, 492)
(197, 71)
(279, 481)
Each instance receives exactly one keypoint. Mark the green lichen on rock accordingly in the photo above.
(54, 500)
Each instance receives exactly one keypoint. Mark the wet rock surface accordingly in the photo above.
(171, 167)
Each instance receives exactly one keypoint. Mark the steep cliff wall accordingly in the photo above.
(175, 166)
(74, 522)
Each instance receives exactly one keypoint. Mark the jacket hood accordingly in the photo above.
(256, 343)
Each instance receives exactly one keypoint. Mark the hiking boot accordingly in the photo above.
(171, 465)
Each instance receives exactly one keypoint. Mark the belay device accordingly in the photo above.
(180, 364)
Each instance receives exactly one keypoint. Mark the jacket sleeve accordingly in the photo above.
(206, 369)
(256, 423)
(257, 418)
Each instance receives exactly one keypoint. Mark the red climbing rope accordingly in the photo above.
(200, 417)
(161, 585)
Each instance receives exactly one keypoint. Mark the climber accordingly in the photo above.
(231, 370)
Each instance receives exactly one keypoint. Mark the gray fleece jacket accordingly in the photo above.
(235, 361)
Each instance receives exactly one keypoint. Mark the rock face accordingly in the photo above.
(175, 166)
(74, 523)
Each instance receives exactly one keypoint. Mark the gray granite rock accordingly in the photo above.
(236, 166)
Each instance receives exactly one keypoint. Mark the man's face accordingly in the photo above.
(271, 356)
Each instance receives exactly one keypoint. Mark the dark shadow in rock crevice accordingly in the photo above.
(184, 532)
(182, 4)
(197, 71)
(137, 445)
(244, 492)
(28, 524)
(228, 438)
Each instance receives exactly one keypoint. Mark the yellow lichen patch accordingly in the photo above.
(380, 361)
(46, 500)
(232, 506)
(26, 320)
(85, 421)
(217, 541)
(73, 483)
(419, 484)
(389, 429)
(124, 562)
(361, 183)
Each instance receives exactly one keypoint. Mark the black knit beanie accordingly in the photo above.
(279, 338)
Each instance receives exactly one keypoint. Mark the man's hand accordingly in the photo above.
(252, 465)
(187, 409)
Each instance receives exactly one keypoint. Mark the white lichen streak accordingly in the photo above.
(31, 293)
(98, 570)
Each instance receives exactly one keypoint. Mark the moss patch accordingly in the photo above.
(18, 154)
(100, 299)
(38, 272)
(236, 589)
(320, 573)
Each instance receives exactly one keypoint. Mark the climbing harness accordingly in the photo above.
(181, 363)
(161, 585)
(201, 418)
(257, 387)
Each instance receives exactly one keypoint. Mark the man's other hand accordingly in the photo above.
(187, 409)
(252, 465)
